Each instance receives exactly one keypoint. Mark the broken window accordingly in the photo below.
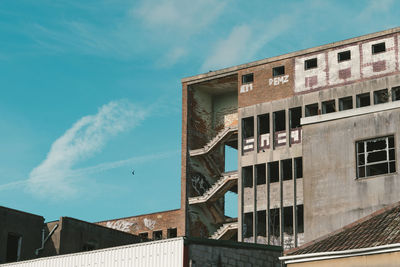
(298, 167)
(260, 174)
(89, 246)
(144, 236)
(247, 174)
(363, 100)
(328, 106)
(273, 171)
(375, 156)
(311, 110)
(310, 64)
(157, 235)
(277, 71)
(288, 220)
(300, 219)
(248, 127)
(345, 103)
(343, 56)
(378, 48)
(13, 247)
(247, 78)
(286, 169)
(395, 93)
(172, 232)
(381, 96)
(279, 121)
(248, 225)
(274, 228)
(262, 223)
(294, 117)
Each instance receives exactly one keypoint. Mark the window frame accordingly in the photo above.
(343, 53)
(306, 67)
(274, 69)
(248, 75)
(373, 47)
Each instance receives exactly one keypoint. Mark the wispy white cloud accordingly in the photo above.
(85, 138)
(374, 7)
(245, 41)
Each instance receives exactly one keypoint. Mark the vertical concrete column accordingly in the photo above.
(294, 174)
(240, 180)
(255, 151)
(268, 203)
(281, 218)
(287, 126)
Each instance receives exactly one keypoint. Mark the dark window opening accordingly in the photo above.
(248, 78)
(310, 64)
(262, 223)
(248, 127)
(345, 103)
(172, 232)
(248, 225)
(343, 56)
(363, 100)
(378, 48)
(273, 171)
(288, 220)
(157, 235)
(88, 247)
(294, 117)
(260, 174)
(144, 236)
(328, 106)
(13, 247)
(286, 169)
(277, 71)
(300, 219)
(274, 228)
(247, 174)
(298, 167)
(279, 121)
(263, 124)
(395, 93)
(375, 156)
(311, 110)
(381, 96)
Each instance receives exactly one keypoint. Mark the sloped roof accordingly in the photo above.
(379, 228)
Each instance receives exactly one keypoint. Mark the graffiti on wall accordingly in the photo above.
(279, 80)
(122, 225)
(149, 223)
(246, 88)
(200, 183)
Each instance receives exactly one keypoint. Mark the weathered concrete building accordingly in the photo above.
(316, 133)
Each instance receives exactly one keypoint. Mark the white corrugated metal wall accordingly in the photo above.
(168, 253)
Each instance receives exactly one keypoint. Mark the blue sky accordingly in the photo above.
(91, 89)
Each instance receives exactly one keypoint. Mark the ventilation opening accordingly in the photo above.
(363, 100)
(273, 171)
(13, 247)
(395, 93)
(343, 56)
(381, 96)
(247, 174)
(248, 225)
(172, 232)
(277, 71)
(288, 220)
(311, 110)
(345, 103)
(310, 64)
(378, 48)
(260, 174)
(262, 223)
(274, 228)
(286, 169)
(294, 117)
(157, 235)
(298, 167)
(279, 121)
(328, 107)
(248, 78)
(231, 158)
(300, 219)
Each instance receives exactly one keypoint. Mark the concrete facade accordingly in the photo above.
(296, 137)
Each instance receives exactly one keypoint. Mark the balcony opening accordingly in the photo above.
(298, 167)
(328, 106)
(247, 174)
(263, 131)
(279, 121)
(381, 96)
(363, 100)
(288, 220)
(13, 250)
(286, 169)
(294, 117)
(311, 110)
(248, 127)
(274, 228)
(248, 225)
(300, 219)
(345, 103)
(273, 171)
(261, 223)
(260, 174)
